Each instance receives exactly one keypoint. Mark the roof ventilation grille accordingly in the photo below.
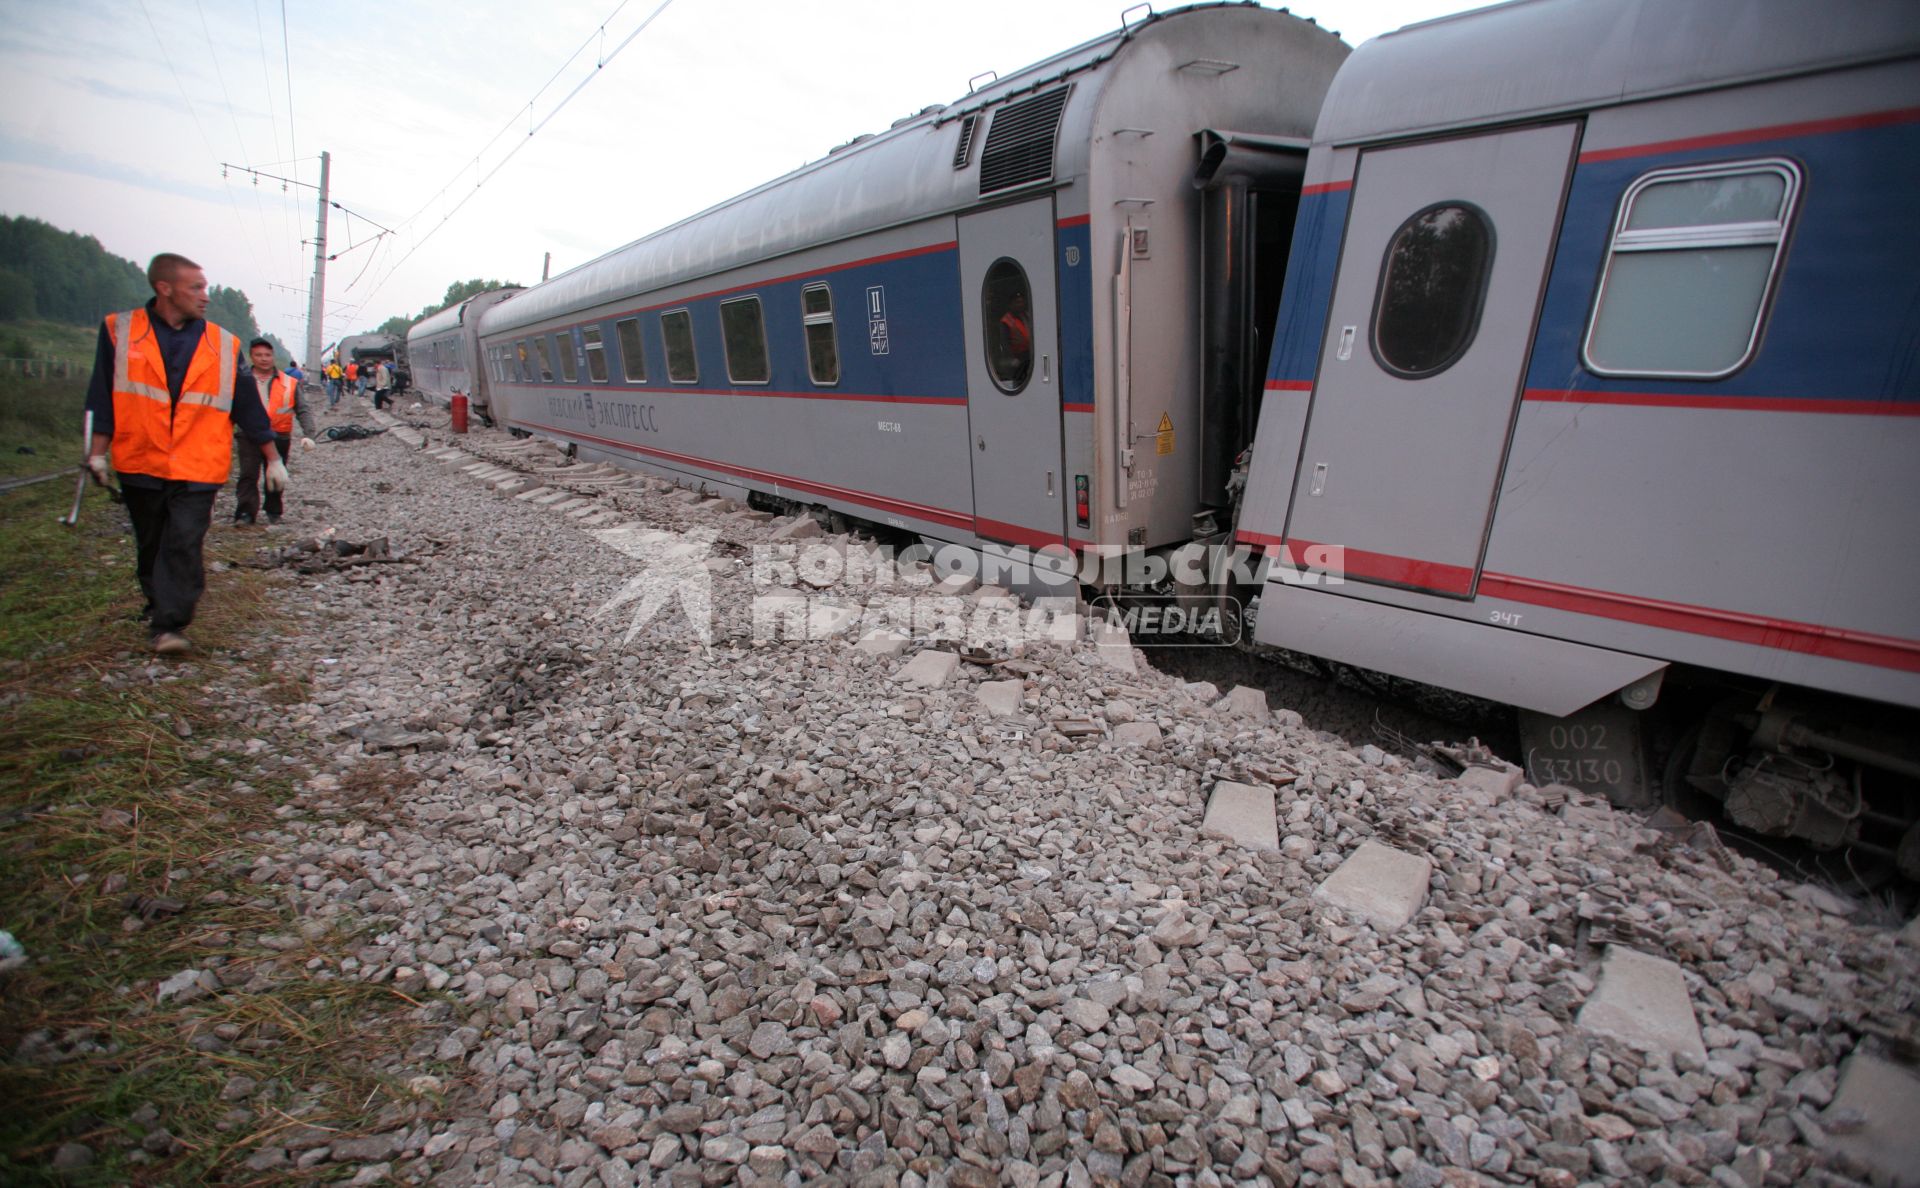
(963, 152)
(1020, 142)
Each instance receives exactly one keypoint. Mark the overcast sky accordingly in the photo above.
(120, 113)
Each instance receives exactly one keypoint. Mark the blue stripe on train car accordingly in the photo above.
(1305, 295)
(1074, 267)
(923, 352)
(1845, 323)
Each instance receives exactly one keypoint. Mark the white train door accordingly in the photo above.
(1013, 390)
(1439, 284)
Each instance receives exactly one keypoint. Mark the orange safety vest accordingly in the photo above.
(191, 441)
(280, 400)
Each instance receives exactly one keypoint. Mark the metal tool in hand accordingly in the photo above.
(86, 473)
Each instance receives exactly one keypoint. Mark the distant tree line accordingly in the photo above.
(63, 276)
(456, 293)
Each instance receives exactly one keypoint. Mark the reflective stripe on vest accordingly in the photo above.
(280, 402)
(188, 441)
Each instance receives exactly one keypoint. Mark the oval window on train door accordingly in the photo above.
(1432, 285)
(1006, 319)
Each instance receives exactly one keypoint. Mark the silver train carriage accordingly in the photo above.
(444, 349)
(368, 349)
(984, 325)
(1596, 376)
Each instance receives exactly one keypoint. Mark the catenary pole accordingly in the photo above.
(317, 296)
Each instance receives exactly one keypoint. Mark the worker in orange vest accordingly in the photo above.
(353, 380)
(168, 389)
(280, 394)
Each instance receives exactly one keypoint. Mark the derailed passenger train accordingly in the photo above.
(1588, 330)
(445, 350)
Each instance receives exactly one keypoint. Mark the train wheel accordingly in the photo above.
(1676, 789)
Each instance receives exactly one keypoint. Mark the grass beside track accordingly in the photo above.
(42, 418)
(125, 846)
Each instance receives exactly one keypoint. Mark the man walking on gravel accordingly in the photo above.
(281, 395)
(382, 384)
(168, 389)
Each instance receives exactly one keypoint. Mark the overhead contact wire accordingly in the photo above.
(531, 132)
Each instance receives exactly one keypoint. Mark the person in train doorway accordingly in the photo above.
(353, 379)
(1016, 335)
(382, 384)
(167, 392)
(280, 394)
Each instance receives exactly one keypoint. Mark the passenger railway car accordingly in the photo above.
(369, 349)
(984, 325)
(445, 351)
(1589, 333)
(1599, 366)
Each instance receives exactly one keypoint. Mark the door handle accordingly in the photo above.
(1046, 369)
(981, 444)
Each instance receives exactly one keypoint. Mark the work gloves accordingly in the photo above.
(276, 479)
(306, 443)
(101, 472)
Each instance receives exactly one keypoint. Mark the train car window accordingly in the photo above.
(1006, 314)
(683, 366)
(563, 344)
(1433, 282)
(524, 361)
(816, 315)
(743, 333)
(1692, 262)
(633, 357)
(596, 354)
(545, 355)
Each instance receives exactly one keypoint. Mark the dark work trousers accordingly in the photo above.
(169, 526)
(246, 491)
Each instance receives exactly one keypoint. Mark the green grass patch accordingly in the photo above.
(125, 846)
(40, 424)
(43, 340)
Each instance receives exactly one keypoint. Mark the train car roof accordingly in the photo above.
(367, 342)
(451, 317)
(1537, 57)
(874, 182)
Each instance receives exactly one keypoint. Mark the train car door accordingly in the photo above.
(1013, 390)
(1439, 284)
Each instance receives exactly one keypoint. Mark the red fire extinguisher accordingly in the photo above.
(459, 413)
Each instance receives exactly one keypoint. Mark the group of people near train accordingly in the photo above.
(376, 377)
(171, 392)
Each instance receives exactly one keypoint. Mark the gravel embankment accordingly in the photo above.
(761, 913)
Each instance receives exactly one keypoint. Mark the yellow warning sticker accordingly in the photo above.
(1163, 436)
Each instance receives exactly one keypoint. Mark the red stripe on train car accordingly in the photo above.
(1858, 408)
(1074, 221)
(657, 390)
(1327, 187)
(1877, 119)
(1015, 534)
(1813, 639)
(1289, 385)
(1401, 571)
(919, 511)
(1835, 643)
